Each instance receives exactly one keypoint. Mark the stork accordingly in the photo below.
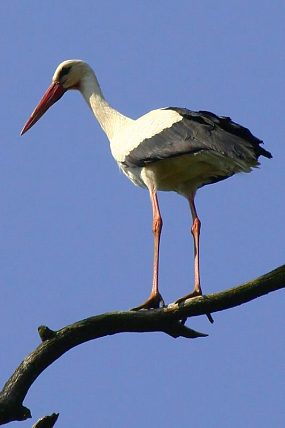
(168, 149)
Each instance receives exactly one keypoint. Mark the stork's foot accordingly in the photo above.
(154, 301)
(194, 293)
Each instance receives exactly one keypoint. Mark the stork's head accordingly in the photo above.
(69, 73)
(67, 76)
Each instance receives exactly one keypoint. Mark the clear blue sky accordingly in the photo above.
(75, 235)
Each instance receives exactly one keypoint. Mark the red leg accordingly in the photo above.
(195, 230)
(155, 299)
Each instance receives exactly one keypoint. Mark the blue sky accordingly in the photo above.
(76, 235)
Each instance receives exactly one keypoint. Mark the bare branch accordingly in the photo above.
(232, 297)
(169, 320)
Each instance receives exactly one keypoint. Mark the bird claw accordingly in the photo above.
(190, 296)
(153, 302)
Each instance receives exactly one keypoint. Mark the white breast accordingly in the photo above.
(152, 123)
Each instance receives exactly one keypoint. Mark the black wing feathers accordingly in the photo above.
(199, 131)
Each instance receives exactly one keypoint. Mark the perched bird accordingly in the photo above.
(166, 149)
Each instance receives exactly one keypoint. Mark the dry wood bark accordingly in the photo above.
(169, 320)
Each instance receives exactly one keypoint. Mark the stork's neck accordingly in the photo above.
(109, 118)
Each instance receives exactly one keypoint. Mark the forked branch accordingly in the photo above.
(169, 320)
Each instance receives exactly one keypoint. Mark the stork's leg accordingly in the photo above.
(195, 230)
(155, 299)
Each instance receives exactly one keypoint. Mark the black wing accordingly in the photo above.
(199, 131)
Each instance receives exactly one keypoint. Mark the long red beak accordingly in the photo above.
(51, 96)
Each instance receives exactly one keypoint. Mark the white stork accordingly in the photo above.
(166, 149)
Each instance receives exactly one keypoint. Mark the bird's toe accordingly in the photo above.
(194, 293)
(188, 296)
(154, 301)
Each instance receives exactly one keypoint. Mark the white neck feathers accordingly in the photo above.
(109, 119)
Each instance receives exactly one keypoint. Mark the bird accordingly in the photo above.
(167, 149)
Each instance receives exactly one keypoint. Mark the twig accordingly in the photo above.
(46, 421)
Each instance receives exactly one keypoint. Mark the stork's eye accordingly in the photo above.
(64, 71)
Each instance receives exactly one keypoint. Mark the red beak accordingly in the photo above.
(51, 96)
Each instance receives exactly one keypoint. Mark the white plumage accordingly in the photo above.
(166, 149)
(147, 126)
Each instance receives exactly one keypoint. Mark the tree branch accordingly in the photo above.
(169, 320)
